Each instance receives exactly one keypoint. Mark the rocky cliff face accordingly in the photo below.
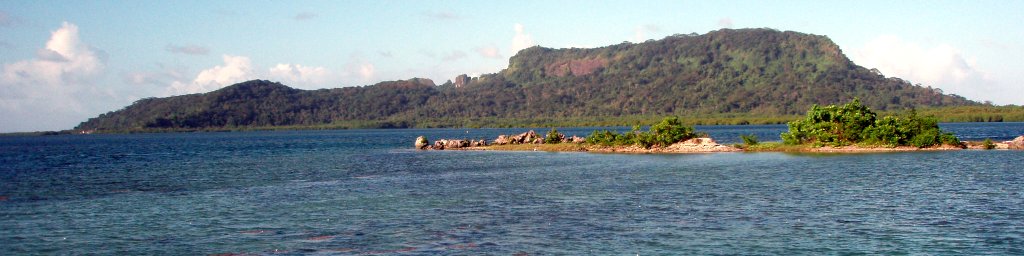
(461, 80)
(575, 67)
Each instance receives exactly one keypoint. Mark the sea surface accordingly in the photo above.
(367, 192)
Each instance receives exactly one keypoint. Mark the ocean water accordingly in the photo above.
(366, 192)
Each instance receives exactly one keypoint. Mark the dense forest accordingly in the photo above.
(760, 74)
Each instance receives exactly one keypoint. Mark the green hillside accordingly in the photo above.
(761, 75)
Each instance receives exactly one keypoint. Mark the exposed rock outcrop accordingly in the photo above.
(575, 139)
(461, 80)
(522, 138)
(450, 144)
(1016, 143)
(576, 67)
(477, 143)
(502, 140)
(422, 142)
(700, 145)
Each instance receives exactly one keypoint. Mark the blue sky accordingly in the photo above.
(66, 61)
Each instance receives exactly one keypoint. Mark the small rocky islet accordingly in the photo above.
(531, 138)
(531, 141)
(851, 127)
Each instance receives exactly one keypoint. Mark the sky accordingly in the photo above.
(66, 61)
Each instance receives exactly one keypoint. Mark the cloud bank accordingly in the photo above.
(640, 33)
(521, 40)
(941, 66)
(55, 85)
(236, 69)
(725, 22)
(299, 75)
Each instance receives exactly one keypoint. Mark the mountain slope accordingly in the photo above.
(751, 71)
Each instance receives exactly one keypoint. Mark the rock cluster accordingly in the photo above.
(457, 144)
(700, 145)
(529, 137)
(461, 80)
(574, 139)
(1016, 143)
(423, 143)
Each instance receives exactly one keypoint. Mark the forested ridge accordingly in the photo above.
(742, 72)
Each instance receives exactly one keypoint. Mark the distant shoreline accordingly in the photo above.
(325, 128)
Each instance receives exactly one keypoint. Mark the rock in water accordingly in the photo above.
(576, 139)
(1017, 143)
(450, 144)
(501, 140)
(525, 138)
(477, 143)
(422, 142)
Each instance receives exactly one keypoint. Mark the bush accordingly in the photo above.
(553, 137)
(925, 139)
(603, 138)
(749, 140)
(855, 123)
(831, 125)
(987, 144)
(949, 139)
(670, 130)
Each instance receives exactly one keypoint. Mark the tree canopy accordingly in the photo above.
(854, 123)
(757, 72)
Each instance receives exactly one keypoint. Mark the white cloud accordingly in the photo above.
(489, 51)
(300, 76)
(640, 33)
(725, 22)
(521, 40)
(187, 49)
(50, 55)
(356, 71)
(52, 91)
(235, 69)
(366, 71)
(941, 66)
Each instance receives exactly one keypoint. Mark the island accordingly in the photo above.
(851, 127)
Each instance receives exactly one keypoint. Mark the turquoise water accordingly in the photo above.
(367, 192)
